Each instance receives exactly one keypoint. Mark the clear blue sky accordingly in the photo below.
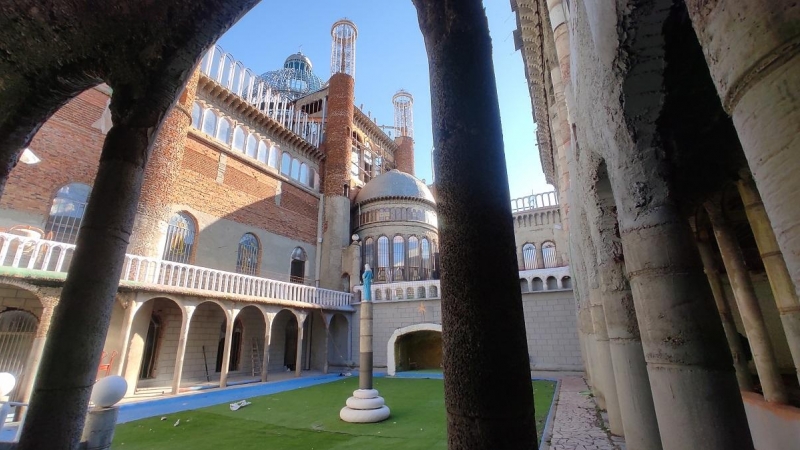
(390, 55)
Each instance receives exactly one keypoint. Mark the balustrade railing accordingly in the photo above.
(404, 290)
(231, 74)
(535, 201)
(39, 254)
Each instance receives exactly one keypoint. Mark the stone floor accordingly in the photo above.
(577, 424)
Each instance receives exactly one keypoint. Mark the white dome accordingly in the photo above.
(395, 184)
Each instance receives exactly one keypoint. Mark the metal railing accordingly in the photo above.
(223, 68)
(39, 254)
(535, 201)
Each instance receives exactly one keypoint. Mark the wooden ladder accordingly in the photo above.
(256, 357)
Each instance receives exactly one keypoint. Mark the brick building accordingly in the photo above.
(263, 199)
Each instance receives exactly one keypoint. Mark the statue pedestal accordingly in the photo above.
(365, 406)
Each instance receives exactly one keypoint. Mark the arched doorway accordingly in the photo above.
(297, 271)
(236, 346)
(314, 342)
(415, 347)
(151, 346)
(283, 342)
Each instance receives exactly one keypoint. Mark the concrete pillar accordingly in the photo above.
(482, 318)
(186, 320)
(779, 279)
(161, 176)
(743, 374)
(268, 318)
(605, 366)
(226, 352)
(98, 432)
(365, 346)
(757, 81)
(127, 323)
(746, 300)
(298, 365)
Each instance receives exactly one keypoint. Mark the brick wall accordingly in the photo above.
(225, 187)
(69, 148)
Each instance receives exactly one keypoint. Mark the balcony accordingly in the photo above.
(549, 279)
(32, 254)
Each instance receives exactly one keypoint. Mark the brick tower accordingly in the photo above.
(404, 126)
(337, 146)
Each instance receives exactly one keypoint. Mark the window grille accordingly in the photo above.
(180, 239)
(529, 256)
(383, 260)
(413, 259)
(399, 251)
(549, 255)
(426, 259)
(66, 213)
(247, 260)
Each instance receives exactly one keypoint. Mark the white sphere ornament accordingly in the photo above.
(7, 383)
(108, 391)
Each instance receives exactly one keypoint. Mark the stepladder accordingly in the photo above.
(256, 358)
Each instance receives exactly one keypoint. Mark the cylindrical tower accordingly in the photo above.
(404, 126)
(343, 47)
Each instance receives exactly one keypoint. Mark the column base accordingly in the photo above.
(365, 406)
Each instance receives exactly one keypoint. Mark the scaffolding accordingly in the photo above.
(343, 47)
(403, 102)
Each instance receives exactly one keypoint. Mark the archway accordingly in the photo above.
(414, 347)
(314, 342)
(17, 332)
(252, 342)
(151, 358)
(339, 341)
(202, 343)
(283, 342)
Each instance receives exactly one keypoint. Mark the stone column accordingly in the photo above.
(482, 316)
(778, 274)
(746, 300)
(757, 80)
(632, 382)
(186, 320)
(161, 176)
(743, 374)
(226, 352)
(365, 346)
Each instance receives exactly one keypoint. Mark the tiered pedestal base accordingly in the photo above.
(365, 406)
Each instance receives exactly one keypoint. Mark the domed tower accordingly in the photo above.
(337, 147)
(404, 126)
(295, 79)
(398, 229)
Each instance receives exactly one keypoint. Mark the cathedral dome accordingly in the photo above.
(395, 185)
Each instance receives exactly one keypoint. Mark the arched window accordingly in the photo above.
(426, 259)
(252, 145)
(369, 248)
(286, 164)
(227, 65)
(224, 131)
(295, 169)
(197, 115)
(238, 138)
(383, 260)
(180, 238)
(209, 122)
(399, 260)
(304, 173)
(249, 250)
(273, 156)
(298, 266)
(312, 179)
(549, 255)
(262, 151)
(566, 282)
(413, 258)
(529, 256)
(66, 212)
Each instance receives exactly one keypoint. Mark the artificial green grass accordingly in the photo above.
(309, 419)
